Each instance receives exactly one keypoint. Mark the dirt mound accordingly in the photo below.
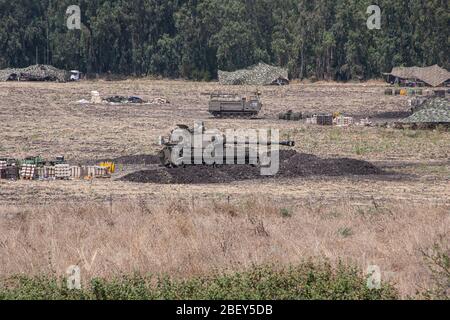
(302, 164)
(292, 164)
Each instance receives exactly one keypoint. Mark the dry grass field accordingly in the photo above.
(111, 226)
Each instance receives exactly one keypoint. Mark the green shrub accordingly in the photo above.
(286, 213)
(303, 282)
(345, 232)
(438, 261)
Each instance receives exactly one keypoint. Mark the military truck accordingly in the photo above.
(172, 155)
(232, 105)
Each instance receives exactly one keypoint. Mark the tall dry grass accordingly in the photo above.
(184, 238)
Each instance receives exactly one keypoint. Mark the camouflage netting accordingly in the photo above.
(433, 76)
(432, 110)
(35, 73)
(260, 74)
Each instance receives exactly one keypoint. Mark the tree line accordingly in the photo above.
(193, 39)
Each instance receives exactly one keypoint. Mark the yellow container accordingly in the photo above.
(109, 166)
(403, 92)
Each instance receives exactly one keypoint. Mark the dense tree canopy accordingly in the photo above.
(322, 39)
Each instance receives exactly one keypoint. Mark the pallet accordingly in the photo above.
(97, 172)
(76, 172)
(344, 121)
(46, 173)
(325, 120)
(28, 172)
(9, 173)
(62, 172)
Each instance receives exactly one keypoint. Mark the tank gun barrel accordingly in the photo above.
(268, 143)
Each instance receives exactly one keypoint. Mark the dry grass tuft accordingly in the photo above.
(185, 238)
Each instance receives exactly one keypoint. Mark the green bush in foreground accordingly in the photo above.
(303, 282)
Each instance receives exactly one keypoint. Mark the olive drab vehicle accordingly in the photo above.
(172, 155)
(232, 105)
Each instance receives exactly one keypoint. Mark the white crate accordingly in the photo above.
(46, 172)
(96, 172)
(312, 120)
(344, 121)
(62, 171)
(76, 172)
(49, 172)
(28, 172)
(40, 173)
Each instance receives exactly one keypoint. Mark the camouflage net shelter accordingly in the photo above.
(433, 76)
(260, 74)
(35, 73)
(433, 110)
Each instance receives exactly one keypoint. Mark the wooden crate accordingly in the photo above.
(96, 172)
(325, 119)
(40, 173)
(76, 172)
(344, 121)
(62, 171)
(9, 173)
(46, 172)
(101, 172)
(312, 120)
(28, 172)
(50, 172)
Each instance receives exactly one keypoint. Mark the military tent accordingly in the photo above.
(434, 76)
(260, 74)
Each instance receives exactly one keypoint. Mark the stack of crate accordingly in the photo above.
(3, 166)
(76, 172)
(62, 172)
(46, 172)
(312, 120)
(325, 119)
(97, 172)
(40, 172)
(50, 172)
(110, 166)
(9, 173)
(101, 172)
(28, 172)
(344, 121)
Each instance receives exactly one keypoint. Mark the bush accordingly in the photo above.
(438, 261)
(303, 282)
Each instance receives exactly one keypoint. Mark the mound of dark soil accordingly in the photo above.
(292, 164)
(300, 164)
